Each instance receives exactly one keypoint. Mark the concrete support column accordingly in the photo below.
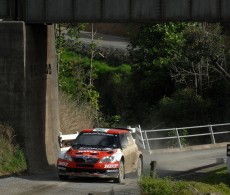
(29, 90)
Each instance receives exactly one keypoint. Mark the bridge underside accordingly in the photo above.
(55, 11)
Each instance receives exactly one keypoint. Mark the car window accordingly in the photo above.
(96, 140)
(130, 139)
(124, 140)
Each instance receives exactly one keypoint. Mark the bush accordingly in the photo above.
(184, 108)
(214, 181)
(166, 186)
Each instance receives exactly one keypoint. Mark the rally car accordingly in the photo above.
(103, 153)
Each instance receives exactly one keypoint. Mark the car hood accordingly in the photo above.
(117, 153)
(93, 152)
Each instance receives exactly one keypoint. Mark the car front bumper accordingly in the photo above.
(101, 170)
(78, 172)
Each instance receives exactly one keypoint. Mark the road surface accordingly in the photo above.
(105, 41)
(180, 163)
(46, 184)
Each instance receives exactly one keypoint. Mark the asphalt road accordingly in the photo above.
(46, 184)
(168, 164)
(105, 41)
(174, 163)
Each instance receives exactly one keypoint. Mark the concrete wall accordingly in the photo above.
(40, 11)
(28, 90)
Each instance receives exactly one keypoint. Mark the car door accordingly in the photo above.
(128, 151)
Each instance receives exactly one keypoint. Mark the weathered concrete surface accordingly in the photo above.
(28, 90)
(41, 11)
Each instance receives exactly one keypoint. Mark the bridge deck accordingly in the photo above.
(54, 11)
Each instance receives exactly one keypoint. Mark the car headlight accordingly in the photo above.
(108, 159)
(68, 157)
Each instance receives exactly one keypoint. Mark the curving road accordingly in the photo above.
(105, 41)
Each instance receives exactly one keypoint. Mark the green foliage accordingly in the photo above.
(216, 177)
(203, 66)
(113, 121)
(174, 142)
(74, 80)
(113, 84)
(178, 76)
(152, 50)
(12, 159)
(215, 181)
(169, 58)
(166, 186)
(203, 58)
(155, 44)
(184, 108)
(63, 32)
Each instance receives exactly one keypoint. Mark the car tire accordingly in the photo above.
(63, 177)
(121, 174)
(139, 171)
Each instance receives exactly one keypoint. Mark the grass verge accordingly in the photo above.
(12, 159)
(215, 181)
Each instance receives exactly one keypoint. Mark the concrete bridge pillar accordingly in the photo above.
(29, 90)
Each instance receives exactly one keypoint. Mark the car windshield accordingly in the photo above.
(96, 140)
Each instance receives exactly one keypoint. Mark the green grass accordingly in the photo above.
(215, 181)
(165, 186)
(12, 159)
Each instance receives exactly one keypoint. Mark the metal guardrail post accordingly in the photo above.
(211, 134)
(147, 140)
(228, 158)
(153, 166)
(139, 137)
(178, 138)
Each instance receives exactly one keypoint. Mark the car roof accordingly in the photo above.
(107, 130)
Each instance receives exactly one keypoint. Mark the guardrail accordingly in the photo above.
(178, 137)
(139, 138)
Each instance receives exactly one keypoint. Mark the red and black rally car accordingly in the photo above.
(101, 152)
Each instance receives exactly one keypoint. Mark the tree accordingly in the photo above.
(152, 49)
(185, 108)
(75, 76)
(203, 66)
(203, 60)
(67, 34)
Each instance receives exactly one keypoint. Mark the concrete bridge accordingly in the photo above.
(28, 67)
(54, 11)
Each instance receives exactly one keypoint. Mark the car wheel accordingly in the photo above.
(121, 174)
(63, 177)
(139, 167)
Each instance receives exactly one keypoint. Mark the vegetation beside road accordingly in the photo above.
(215, 181)
(176, 74)
(12, 158)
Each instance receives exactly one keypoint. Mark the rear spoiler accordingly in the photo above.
(66, 137)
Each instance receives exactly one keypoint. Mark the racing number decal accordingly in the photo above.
(111, 166)
(62, 163)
